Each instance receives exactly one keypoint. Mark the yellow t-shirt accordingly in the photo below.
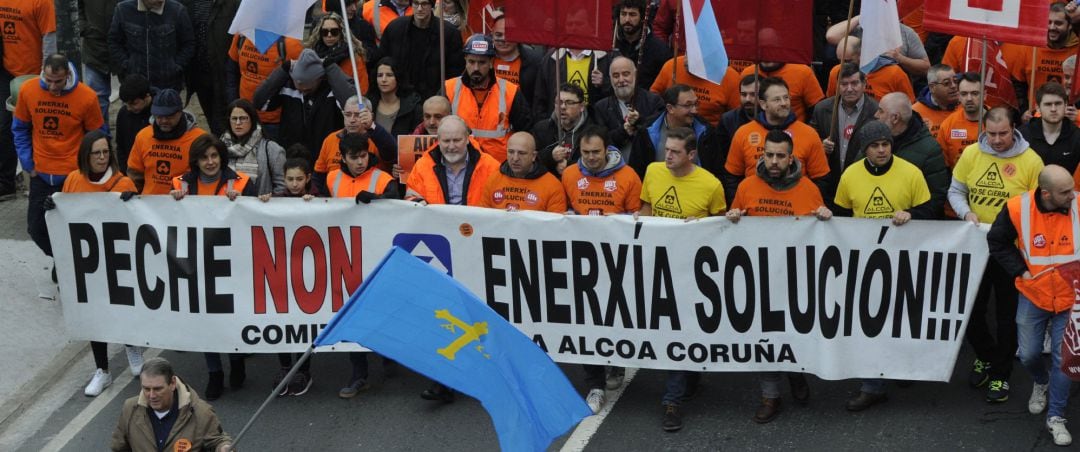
(698, 194)
(578, 73)
(991, 180)
(868, 196)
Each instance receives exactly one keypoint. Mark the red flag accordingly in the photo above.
(1070, 344)
(482, 14)
(1016, 21)
(905, 7)
(767, 30)
(999, 88)
(575, 24)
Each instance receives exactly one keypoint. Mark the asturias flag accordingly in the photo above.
(705, 53)
(265, 21)
(410, 312)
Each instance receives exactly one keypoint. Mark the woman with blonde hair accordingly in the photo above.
(327, 39)
(457, 13)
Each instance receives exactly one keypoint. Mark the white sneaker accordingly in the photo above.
(1056, 426)
(1037, 402)
(595, 400)
(98, 383)
(1046, 342)
(135, 359)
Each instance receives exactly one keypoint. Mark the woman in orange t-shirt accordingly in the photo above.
(99, 172)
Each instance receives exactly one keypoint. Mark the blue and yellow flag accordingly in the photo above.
(408, 311)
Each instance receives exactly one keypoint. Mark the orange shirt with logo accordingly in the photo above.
(25, 22)
(619, 192)
(887, 79)
(512, 193)
(935, 116)
(955, 134)
(802, 86)
(510, 70)
(255, 67)
(748, 145)
(161, 161)
(758, 199)
(713, 99)
(58, 124)
(76, 182)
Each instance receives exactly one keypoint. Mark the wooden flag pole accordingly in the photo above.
(442, 53)
(982, 90)
(834, 122)
(1031, 79)
(675, 42)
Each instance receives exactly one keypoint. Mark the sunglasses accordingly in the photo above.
(331, 32)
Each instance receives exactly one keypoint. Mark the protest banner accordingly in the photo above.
(842, 298)
(410, 148)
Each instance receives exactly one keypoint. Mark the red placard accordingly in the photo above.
(574, 24)
(410, 148)
(767, 30)
(1017, 21)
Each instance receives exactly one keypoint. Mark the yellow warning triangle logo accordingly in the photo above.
(878, 204)
(991, 178)
(669, 202)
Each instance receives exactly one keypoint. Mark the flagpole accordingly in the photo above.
(675, 43)
(982, 91)
(1031, 79)
(442, 54)
(834, 122)
(273, 395)
(352, 54)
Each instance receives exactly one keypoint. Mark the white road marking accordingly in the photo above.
(585, 430)
(91, 411)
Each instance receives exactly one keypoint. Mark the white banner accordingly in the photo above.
(840, 299)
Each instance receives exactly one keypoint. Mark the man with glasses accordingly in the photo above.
(359, 121)
(681, 104)
(961, 128)
(556, 137)
(748, 144)
(939, 99)
(413, 41)
(514, 62)
(492, 107)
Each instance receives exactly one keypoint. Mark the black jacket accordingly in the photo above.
(410, 111)
(531, 60)
(609, 114)
(416, 51)
(128, 125)
(156, 46)
(652, 59)
(918, 147)
(306, 119)
(543, 102)
(546, 133)
(1064, 152)
(95, 18)
(822, 120)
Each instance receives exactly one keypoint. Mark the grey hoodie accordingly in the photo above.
(958, 190)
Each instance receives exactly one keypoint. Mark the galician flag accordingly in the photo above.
(705, 53)
(265, 21)
(881, 31)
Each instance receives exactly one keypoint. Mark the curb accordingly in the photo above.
(29, 391)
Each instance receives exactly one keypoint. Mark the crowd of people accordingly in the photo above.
(621, 130)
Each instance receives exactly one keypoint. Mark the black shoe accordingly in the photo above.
(672, 419)
(800, 389)
(215, 386)
(237, 374)
(767, 411)
(980, 373)
(54, 274)
(865, 400)
(438, 392)
(998, 391)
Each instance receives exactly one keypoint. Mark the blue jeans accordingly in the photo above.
(1031, 323)
(101, 83)
(680, 385)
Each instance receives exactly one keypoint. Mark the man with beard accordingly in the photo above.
(514, 62)
(160, 151)
(413, 41)
(522, 182)
(491, 106)
(856, 108)
(633, 40)
(803, 86)
(1060, 44)
(453, 173)
(557, 136)
(999, 166)
(1054, 138)
(731, 120)
(961, 128)
(624, 113)
(940, 97)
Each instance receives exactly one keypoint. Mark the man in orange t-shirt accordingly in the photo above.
(802, 84)
(748, 143)
(961, 128)
(160, 151)
(713, 99)
(522, 183)
(601, 183)
(52, 114)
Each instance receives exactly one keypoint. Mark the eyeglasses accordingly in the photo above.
(567, 103)
(327, 32)
(240, 119)
(351, 114)
(944, 82)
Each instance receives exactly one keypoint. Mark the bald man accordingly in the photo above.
(522, 183)
(435, 109)
(1045, 296)
(453, 173)
(884, 77)
(913, 142)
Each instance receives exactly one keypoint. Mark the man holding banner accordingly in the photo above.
(1032, 236)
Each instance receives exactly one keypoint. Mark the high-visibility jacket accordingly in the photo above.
(490, 123)
(1046, 240)
(213, 189)
(386, 15)
(428, 178)
(343, 185)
